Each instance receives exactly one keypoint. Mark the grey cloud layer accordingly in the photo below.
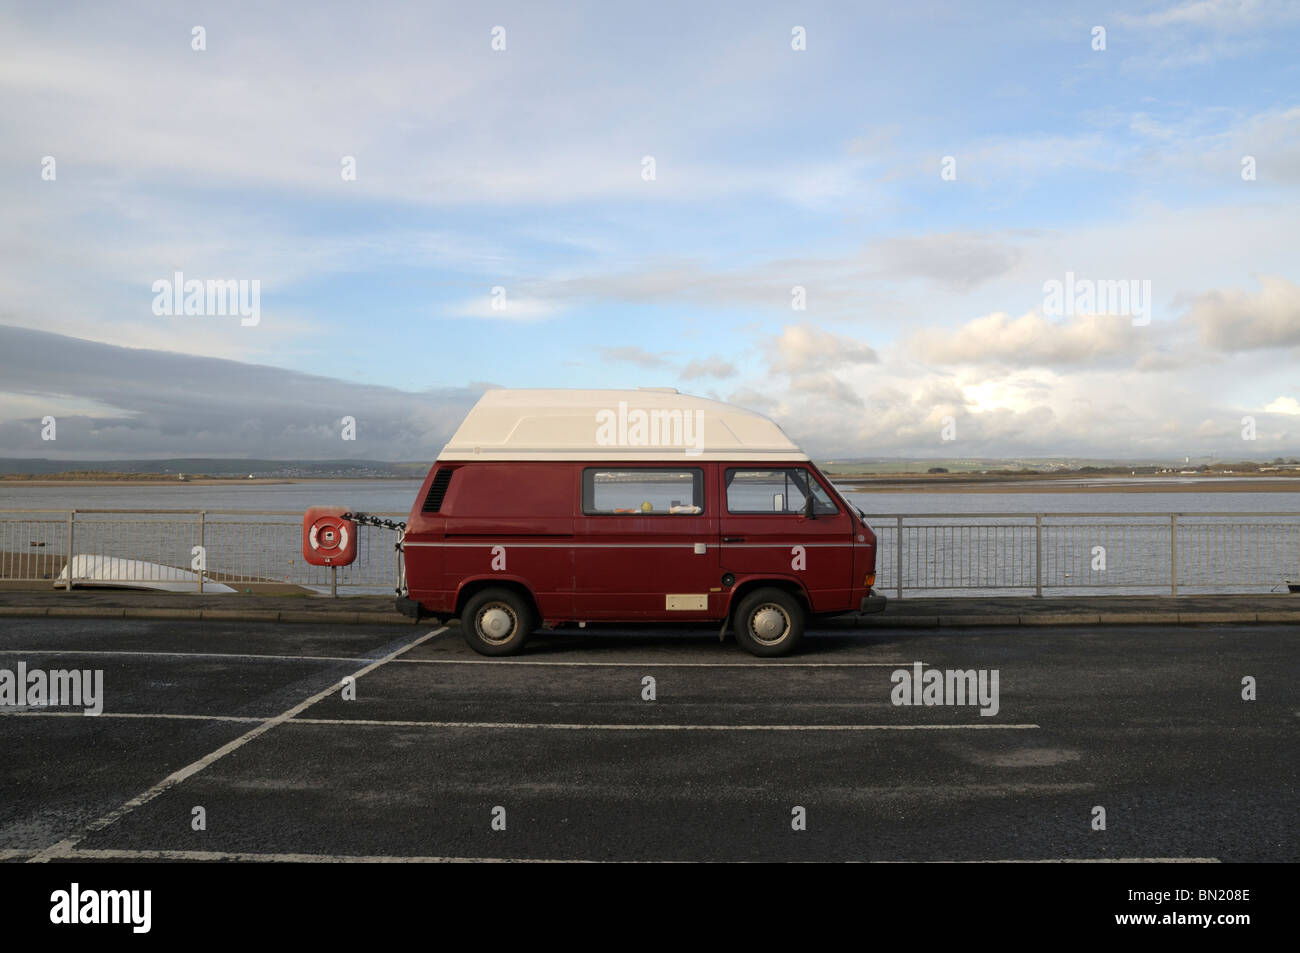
(172, 404)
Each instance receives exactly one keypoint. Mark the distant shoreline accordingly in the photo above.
(891, 483)
(214, 481)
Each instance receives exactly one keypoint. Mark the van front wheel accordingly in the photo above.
(769, 622)
(497, 622)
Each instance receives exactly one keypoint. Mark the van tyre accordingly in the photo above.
(497, 622)
(769, 622)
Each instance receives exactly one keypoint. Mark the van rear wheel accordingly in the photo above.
(769, 622)
(497, 622)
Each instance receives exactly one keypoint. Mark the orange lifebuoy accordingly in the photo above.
(327, 538)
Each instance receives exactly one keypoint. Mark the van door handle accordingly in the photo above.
(733, 539)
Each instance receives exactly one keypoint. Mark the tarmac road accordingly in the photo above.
(246, 720)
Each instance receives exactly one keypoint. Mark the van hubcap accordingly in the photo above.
(769, 623)
(496, 623)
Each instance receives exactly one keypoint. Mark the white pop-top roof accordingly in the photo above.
(612, 425)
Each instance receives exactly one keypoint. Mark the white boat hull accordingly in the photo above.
(115, 572)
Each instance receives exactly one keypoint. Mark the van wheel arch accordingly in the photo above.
(472, 588)
(749, 585)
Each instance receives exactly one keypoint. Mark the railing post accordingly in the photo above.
(1173, 554)
(898, 540)
(1038, 555)
(203, 550)
(71, 515)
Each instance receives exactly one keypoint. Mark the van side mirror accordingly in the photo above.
(810, 507)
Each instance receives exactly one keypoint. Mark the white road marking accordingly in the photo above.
(127, 714)
(560, 726)
(1104, 860)
(620, 727)
(61, 848)
(296, 858)
(286, 658)
(656, 664)
(463, 661)
(301, 858)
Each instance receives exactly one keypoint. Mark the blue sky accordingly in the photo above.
(522, 169)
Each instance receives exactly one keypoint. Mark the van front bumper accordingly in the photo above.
(873, 602)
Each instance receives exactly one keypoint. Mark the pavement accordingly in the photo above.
(908, 612)
(255, 741)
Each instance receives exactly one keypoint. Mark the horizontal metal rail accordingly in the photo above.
(936, 553)
(1098, 552)
(184, 549)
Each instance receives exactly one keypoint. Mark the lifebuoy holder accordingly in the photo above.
(327, 538)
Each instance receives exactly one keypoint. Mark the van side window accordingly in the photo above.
(775, 490)
(645, 491)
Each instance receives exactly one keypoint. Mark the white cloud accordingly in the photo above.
(511, 309)
(1283, 405)
(1230, 15)
(631, 354)
(708, 367)
(1030, 339)
(957, 261)
(1233, 320)
(802, 348)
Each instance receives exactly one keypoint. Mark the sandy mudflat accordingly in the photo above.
(216, 481)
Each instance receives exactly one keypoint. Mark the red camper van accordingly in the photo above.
(554, 506)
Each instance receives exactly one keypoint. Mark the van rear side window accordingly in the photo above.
(645, 491)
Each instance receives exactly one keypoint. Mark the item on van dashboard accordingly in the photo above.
(521, 521)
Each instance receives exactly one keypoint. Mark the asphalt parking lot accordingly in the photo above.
(441, 748)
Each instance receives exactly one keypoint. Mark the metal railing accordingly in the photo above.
(185, 547)
(937, 553)
(1060, 553)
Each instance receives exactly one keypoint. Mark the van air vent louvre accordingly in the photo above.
(433, 502)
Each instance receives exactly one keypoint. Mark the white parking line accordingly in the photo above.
(127, 714)
(286, 658)
(301, 858)
(462, 661)
(504, 725)
(62, 848)
(1103, 860)
(657, 664)
(298, 858)
(621, 727)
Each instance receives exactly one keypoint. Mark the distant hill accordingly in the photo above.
(212, 467)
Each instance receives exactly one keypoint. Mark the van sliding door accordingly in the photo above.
(646, 543)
